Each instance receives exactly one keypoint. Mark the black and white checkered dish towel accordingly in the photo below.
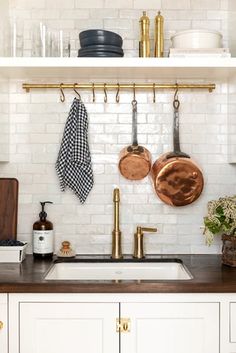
(73, 164)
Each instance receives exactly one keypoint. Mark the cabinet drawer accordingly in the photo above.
(232, 322)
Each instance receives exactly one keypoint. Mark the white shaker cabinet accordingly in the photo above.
(171, 328)
(3, 323)
(68, 327)
(61, 323)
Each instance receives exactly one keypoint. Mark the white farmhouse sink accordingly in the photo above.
(118, 271)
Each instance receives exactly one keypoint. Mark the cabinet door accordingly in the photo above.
(68, 327)
(3, 323)
(171, 328)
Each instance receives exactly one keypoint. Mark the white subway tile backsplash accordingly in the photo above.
(46, 14)
(135, 199)
(183, 14)
(118, 129)
(85, 24)
(224, 5)
(103, 13)
(37, 122)
(118, 4)
(215, 25)
(89, 3)
(181, 25)
(149, 4)
(217, 15)
(126, 139)
(205, 4)
(176, 5)
(26, 4)
(75, 14)
(43, 138)
(60, 4)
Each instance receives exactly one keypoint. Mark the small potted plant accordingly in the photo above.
(221, 220)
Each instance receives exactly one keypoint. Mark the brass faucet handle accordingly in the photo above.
(138, 241)
(147, 229)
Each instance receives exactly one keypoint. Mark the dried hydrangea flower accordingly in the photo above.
(221, 218)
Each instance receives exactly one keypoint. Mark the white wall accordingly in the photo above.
(37, 122)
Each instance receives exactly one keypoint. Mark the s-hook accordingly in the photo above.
(176, 91)
(105, 92)
(75, 90)
(118, 93)
(176, 102)
(93, 90)
(154, 92)
(134, 92)
(62, 96)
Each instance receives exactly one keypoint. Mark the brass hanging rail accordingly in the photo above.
(92, 86)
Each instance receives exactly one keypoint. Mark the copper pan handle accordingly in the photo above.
(134, 123)
(176, 143)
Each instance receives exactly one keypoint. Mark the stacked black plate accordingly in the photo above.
(100, 43)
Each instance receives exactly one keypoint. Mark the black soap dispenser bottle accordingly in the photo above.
(43, 235)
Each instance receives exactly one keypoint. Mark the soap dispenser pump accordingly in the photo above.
(43, 235)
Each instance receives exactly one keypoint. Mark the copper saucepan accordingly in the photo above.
(135, 161)
(177, 179)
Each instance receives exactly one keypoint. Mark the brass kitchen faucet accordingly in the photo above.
(116, 233)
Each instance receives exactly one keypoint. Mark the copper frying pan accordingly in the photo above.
(177, 179)
(135, 160)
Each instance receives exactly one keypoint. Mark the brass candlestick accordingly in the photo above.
(159, 36)
(144, 43)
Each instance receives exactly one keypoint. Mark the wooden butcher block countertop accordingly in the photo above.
(209, 276)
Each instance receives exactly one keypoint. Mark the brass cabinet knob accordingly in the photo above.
(138, 241)
(1, 325)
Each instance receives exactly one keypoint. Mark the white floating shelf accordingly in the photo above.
(78, 69)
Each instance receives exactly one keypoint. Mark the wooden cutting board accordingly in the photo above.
(8, 208)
